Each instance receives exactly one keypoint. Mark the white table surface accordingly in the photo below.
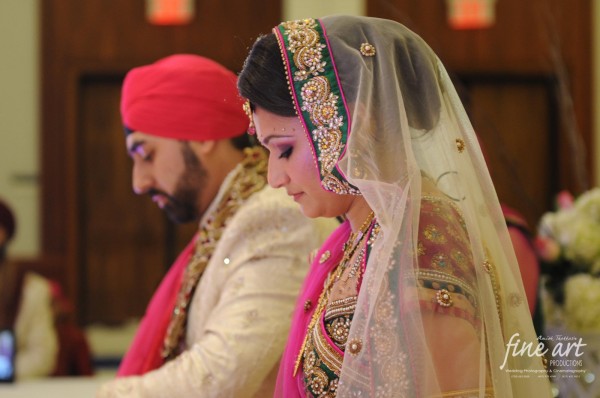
(55, 387)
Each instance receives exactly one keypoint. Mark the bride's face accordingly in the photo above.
(292, 165)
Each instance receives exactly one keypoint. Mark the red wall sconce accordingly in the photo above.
(170, 12)
(471, 14)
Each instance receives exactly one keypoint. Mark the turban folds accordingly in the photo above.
(184, 97)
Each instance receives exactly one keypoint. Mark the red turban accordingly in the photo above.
(185, 97)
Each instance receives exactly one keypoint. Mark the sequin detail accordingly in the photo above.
(368, 50)
(491, 270)
(443, 298)
(433, 234)
(487, 266)
(325, 256)
(354, 346)
(307, 305)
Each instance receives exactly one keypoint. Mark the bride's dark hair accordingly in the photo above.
(262, 79)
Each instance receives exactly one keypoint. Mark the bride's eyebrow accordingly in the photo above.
(268, 138)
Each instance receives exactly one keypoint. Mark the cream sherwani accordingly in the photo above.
(37, 342)
(240, 313)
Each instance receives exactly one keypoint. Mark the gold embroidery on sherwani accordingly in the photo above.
(251, 179)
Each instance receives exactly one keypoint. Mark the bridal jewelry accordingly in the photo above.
(350, 247)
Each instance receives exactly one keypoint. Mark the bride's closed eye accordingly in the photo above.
(286, 153)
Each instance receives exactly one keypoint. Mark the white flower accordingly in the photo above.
(582, 303)
(584, 246)
(576, 229)
(588, 204)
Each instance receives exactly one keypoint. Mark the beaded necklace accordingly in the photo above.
(350, 247)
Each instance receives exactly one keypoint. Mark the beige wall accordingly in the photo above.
(298, 9)
(19, 120)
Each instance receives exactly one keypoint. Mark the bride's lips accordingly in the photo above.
(296, 196)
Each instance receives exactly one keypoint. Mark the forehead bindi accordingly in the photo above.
(269, 124)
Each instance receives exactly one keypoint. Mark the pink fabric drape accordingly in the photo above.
(519, 232)
(289, 386)
(144, 354)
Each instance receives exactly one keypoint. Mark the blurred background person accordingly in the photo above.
(74, 356)
(26, 308)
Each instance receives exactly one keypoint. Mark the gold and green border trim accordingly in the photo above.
(318, 97)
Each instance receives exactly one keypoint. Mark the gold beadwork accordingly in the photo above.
(354, 346)
(317, 99)
(436, 279)
(338, 330)
(433, 234)
(460, 145)
(341, 307)
(421, 251)
(325, 256)
(307, 305)
(491, 269)
(350, 247)
(304, 44)
(487, 265)
(443, 298)
(355, 238)
(251, 179)
(368, 50)
(439, 260)
(248, 111)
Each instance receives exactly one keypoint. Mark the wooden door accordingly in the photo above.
(515, 118)
(127, 243)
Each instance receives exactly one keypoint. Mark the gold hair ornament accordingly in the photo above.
(248, 111)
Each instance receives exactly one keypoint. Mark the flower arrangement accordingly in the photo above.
(568, 244)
